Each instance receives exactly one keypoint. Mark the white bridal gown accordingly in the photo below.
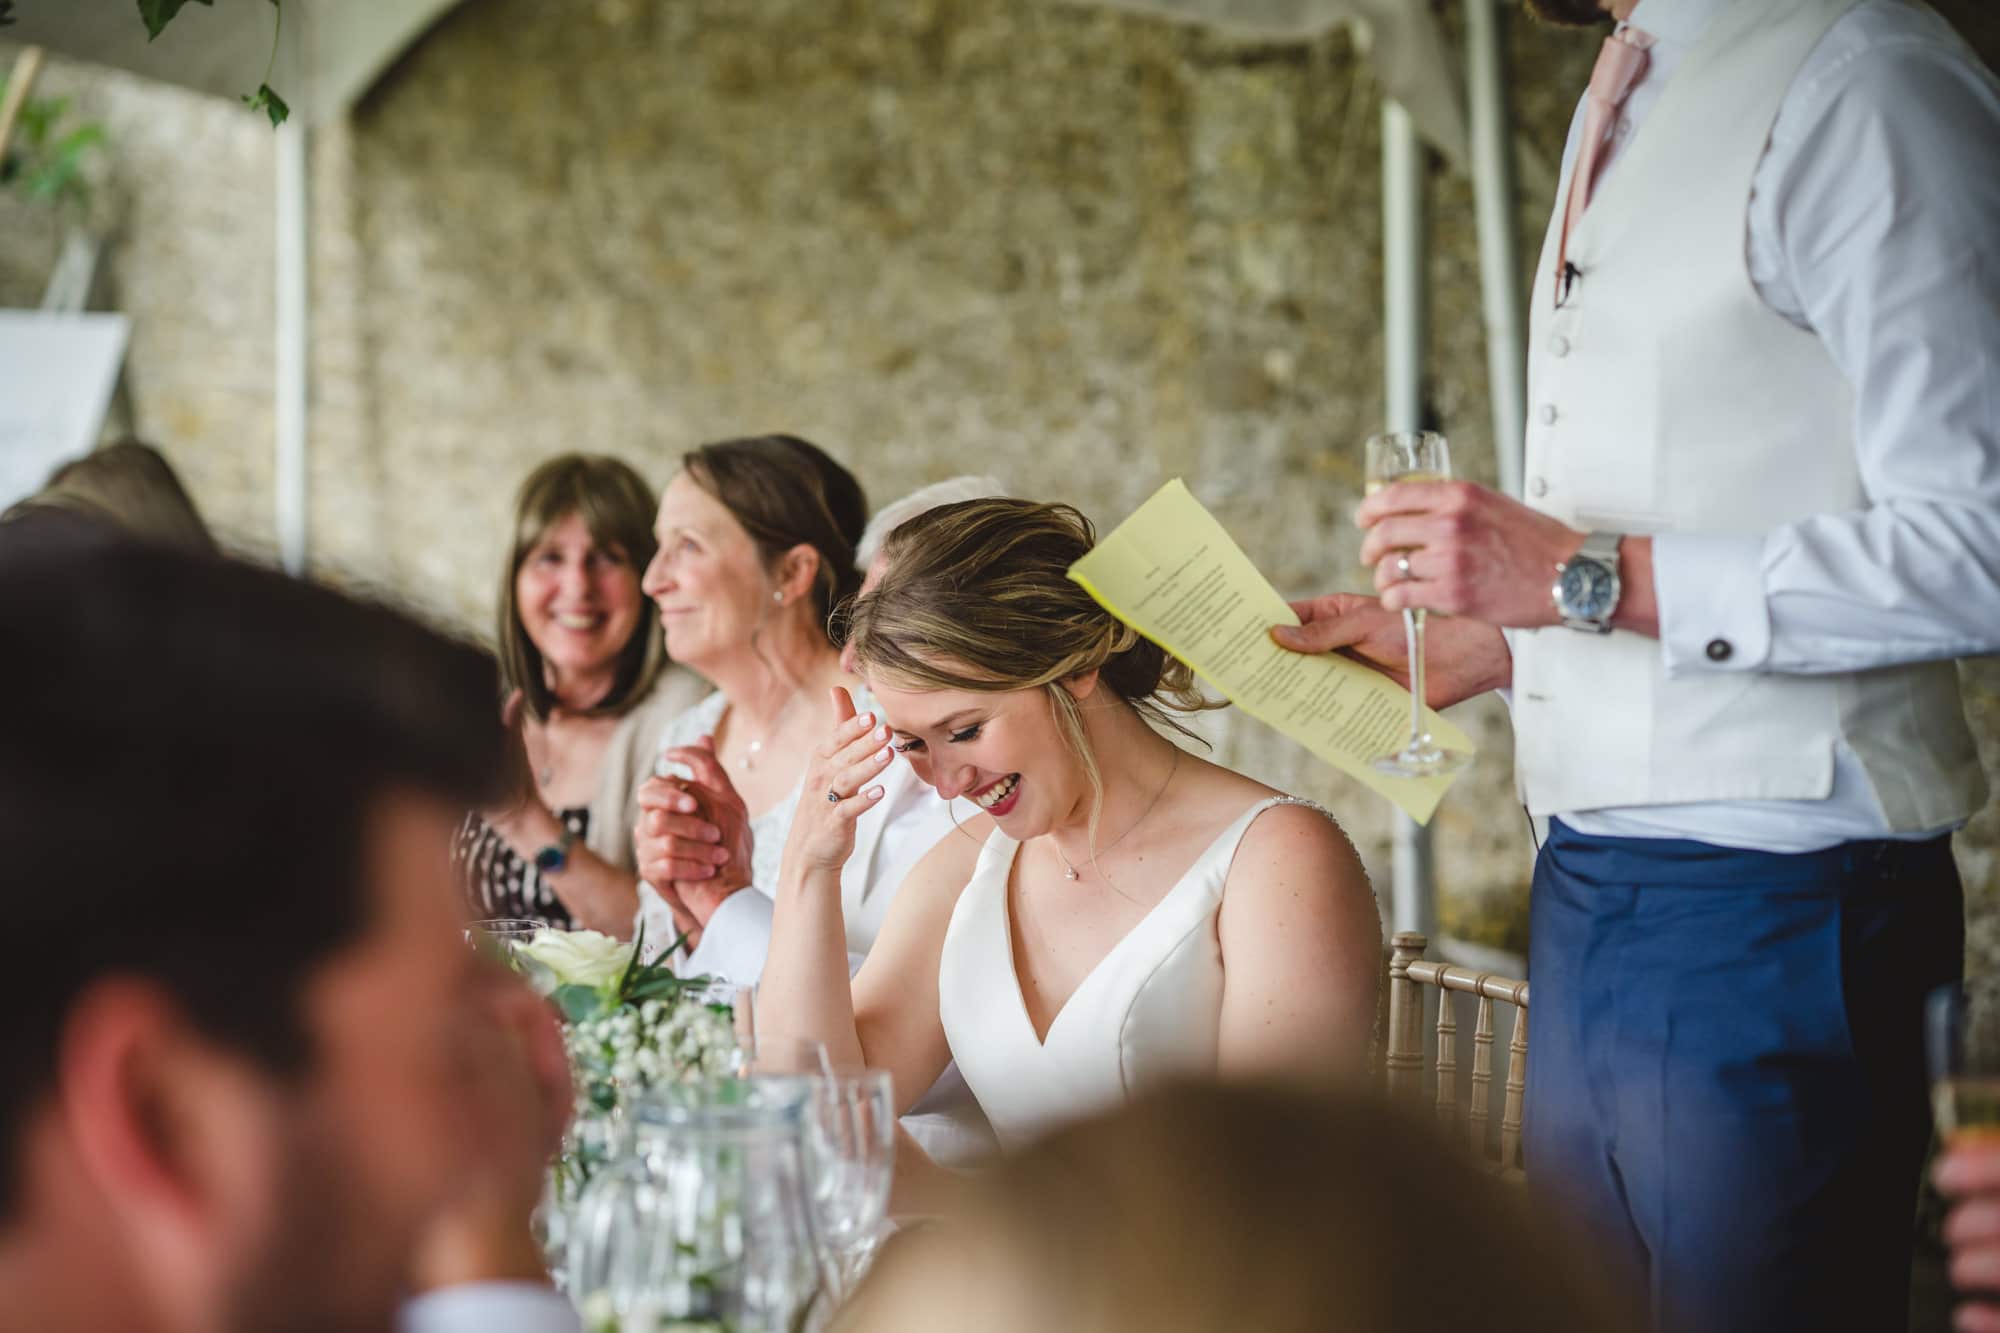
(1149, 1010)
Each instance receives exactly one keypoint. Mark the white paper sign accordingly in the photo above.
(57, 372)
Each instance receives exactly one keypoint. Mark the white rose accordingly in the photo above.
(579, 957)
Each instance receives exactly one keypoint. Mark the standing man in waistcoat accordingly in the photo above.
(1762, 518)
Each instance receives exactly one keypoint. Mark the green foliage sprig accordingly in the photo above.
(45, 163)
(157, 14)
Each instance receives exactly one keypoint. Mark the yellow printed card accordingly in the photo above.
(1172, 573)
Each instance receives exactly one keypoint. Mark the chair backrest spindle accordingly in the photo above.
(1446, 1105)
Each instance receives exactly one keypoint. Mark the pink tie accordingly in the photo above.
(1621, 63)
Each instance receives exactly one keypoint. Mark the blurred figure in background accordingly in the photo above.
(132, 486)
(589, 691)
(1257, 1207)
(251, 1076)
(868, 557)
(868, 551)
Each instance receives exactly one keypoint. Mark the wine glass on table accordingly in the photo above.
(851, 1159)
(500, 936)
(1413, 456)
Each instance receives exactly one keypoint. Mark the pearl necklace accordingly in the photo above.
(1070, 872)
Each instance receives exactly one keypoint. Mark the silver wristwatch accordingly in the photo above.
(1587, 587)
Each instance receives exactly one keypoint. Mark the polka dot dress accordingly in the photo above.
(498, 883)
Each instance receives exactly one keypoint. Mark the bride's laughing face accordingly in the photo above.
(1001, 751)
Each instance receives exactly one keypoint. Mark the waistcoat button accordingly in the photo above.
(1548, 414)
(1538, 487)
(1558, 345)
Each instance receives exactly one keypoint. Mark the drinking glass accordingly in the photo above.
(501, 935)
(1413, 456)
(1962, 1044)
(705, 1223)
(850, 1162)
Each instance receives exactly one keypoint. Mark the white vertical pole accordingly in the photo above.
(292, 326)
(1405, 303)
(1499, 272)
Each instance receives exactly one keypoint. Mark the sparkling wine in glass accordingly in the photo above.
(1962, 1045)
(1413, 456)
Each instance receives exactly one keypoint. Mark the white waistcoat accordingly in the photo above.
(1665, 396)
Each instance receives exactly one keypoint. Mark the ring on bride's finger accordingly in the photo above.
(1402, 568)
(833, 796)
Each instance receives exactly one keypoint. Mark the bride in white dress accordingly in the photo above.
(1124, 912)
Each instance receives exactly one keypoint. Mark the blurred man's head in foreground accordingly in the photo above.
(233, 1067)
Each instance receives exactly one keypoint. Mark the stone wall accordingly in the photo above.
(1086, 251)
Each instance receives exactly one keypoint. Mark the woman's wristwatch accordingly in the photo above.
(1587, 588)
(552, 858)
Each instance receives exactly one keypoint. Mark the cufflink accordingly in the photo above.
(1718, 650)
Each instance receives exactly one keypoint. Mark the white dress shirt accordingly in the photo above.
(1874, 222)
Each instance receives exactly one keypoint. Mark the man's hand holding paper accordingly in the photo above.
(1466, 657)
(1172, 573)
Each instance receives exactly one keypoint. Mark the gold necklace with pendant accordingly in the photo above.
(1070, 872)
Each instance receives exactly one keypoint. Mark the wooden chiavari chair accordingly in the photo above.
(1404, 1054)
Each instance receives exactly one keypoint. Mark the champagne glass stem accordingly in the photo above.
(1413, 633)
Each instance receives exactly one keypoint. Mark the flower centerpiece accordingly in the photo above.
(629, 1027)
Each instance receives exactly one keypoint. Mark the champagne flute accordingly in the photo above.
(1413, 456)
(1962, 1045)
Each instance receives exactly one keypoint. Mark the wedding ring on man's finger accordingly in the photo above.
(833, 796)
(1403, 574)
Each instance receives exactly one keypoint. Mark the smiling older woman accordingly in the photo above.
(756, 553)
(589, 693)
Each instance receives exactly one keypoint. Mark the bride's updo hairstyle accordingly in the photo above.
(977, 596)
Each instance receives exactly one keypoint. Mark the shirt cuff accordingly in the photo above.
(490, 1307)
(1713, 613)
(736, 940)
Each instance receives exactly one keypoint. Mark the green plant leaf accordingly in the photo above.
(43, 168)
(578, 1002)
(78, 139)
(157, 14)
(38, 117)
(269, 103)
(632, 964)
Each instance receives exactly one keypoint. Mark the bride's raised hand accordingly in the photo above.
(838, 788)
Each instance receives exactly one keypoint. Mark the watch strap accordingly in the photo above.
(554, 857)
(1602, 546)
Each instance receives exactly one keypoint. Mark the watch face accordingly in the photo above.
(1589, 589)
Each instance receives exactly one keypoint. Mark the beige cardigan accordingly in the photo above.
(628, 761)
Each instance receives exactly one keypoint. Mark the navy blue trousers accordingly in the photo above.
(1726, 1083)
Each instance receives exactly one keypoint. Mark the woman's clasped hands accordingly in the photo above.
(693, 840)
